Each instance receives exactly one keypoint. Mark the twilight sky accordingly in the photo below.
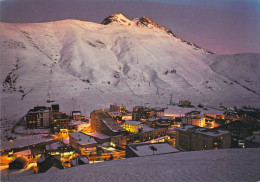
(221, 26)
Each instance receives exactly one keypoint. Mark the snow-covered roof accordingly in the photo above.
(84, 159)
(98, 135)
(66, 141)
(76, 114)
(145, 149)
(115, 113)
(158, 109)
(147, 128)
(185, 127)
(55, 146)
(152, 119)
(24, 152)
(52, 169)
(203, 131)
(135, 123)
(82, 138)
(112, 124)
(254, 138)
(75, 162)
(213, 133)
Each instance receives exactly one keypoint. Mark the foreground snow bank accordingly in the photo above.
(220, 165)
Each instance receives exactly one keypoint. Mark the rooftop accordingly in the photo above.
(204, 131)
(82, 138)
(158, 109)
(254, 138)
(98, 135)
(135, 123)
(113, 125)
(55, 146)
(145, 149)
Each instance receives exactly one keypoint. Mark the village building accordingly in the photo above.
(194, 118)
(46, 161)
(148, 134)
(157, 112)
(102, 122)
(153, 121)
(171, 132)
(117, 116)
(76, 115)
(117, 108)
(252, 141)
(54, 110)
(148, 149)
(38, 117)
(140, 113)
(61, 123)
(59, 148)
(190, 137)
(82, 143)
(99, 137)
(184, 103)
(133, 126)
(18, 163)
(25, 154)
(79, 161)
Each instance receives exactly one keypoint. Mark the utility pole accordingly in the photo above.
(171, 100)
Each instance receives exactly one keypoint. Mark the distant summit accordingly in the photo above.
(118, 18)
(147, 23)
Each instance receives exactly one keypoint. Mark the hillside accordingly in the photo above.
(86, 66)
(212, 165)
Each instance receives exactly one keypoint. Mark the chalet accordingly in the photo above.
(46, 161)
(18, 163)
(79, 161)
(60, 148)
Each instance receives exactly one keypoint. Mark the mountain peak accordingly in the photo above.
(147, 23)
(118, 18)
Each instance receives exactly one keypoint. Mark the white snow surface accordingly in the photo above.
(86, 66)
(82, 138)
(145, 150)
(211, 165)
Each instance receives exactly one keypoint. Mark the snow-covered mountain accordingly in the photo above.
(86, 66)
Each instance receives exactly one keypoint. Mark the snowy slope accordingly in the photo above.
(86, 66)
(211, 165)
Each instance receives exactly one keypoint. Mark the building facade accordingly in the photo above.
(133, 126)
(38, 117)
(102, 122)
(194, 138)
